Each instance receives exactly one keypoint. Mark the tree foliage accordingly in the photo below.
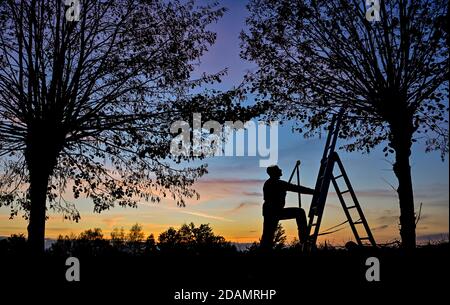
(88, 105)
(316, 57)
(188, 239)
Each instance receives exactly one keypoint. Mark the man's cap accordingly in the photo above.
(273, 170)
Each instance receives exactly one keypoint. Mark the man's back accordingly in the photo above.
(275, 193)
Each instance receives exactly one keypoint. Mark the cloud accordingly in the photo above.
(438, 193)
(256, 194)
(199, 214)
(437, 204)
(435, 236)
(112, 221)
(382, 227)
(388, 216)
(243, 205)
(421, 228)
(373, 193)
(212, 189)
(228, 181)
(58, 230)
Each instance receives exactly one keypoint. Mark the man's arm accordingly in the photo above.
(299, 189)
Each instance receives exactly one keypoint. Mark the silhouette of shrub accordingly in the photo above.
(279, 241)
(191, 239)
(87, 243)
(135, 240)
(15, 244)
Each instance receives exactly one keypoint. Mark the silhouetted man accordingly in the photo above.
(274, 210)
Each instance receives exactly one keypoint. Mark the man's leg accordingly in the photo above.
(300, 217)
(302, 225)
(269, 228)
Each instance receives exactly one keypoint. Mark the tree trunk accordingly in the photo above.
(401, 142)
(39, 177)
(41, 156)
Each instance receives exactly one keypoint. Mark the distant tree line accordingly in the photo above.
(187, 239)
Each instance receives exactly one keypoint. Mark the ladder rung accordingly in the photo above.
(314, 224)
(358, 222)
(351, 207)
(337, 177)
(364, 238)
(342, 193)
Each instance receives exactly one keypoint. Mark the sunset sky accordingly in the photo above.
(231, 194)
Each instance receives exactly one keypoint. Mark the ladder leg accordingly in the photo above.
(355, 202)
(298, 183)
(347, 213)
(319, 199)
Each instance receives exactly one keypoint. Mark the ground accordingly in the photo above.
(324, 275)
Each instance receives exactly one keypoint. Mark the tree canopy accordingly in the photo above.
(87, 105)
(320, 56)
(316, 57)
